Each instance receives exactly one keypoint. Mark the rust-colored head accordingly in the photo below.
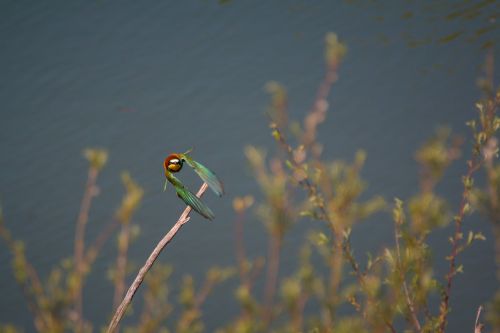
(173, 163)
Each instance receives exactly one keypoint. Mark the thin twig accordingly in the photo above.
(254, 272)
(120, 311)
(336, 263)
(473, 166)
(391, 327)
(121, 263)
(361, 278)
(409, 303)
(247, 272)
(478, 327)
(94, 248)
(83, 216)
(271, 276)
(317, 112)
(204, 292)
(298, 313)
(33, 290)
(240, 246)
(192, 314)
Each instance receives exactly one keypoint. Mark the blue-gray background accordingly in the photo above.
(192, 75)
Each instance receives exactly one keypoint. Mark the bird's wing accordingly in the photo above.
(190, 199)
(205, 174)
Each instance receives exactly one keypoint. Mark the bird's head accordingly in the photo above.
(173, 163)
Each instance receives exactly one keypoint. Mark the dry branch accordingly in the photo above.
(79, 262)
(120, 311)
(478, 326)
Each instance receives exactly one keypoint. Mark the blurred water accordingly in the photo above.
(191, 74)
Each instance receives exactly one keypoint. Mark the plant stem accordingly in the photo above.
(94, 248)
(473, 166)
(478, 327)
(240, 247)
(271, 276)
(409, 303)
(83, 216)
(121, 263)
(120, 311)
(33, 290)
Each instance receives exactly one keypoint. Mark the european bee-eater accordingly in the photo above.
(173, 163)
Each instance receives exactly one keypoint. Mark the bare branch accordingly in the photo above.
(478, 327)
(120, 311)
(473, 166)
(409, 302)
(79, 262)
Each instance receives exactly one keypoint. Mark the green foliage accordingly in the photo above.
(335, 50)
(131, 200)
(9, 329)
(428, 211)
(493, 312)
(97, 157)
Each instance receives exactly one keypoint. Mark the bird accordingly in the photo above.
(173, 164)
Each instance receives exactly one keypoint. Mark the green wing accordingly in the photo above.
(190, 199)
(205, 174)
(195, 203)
